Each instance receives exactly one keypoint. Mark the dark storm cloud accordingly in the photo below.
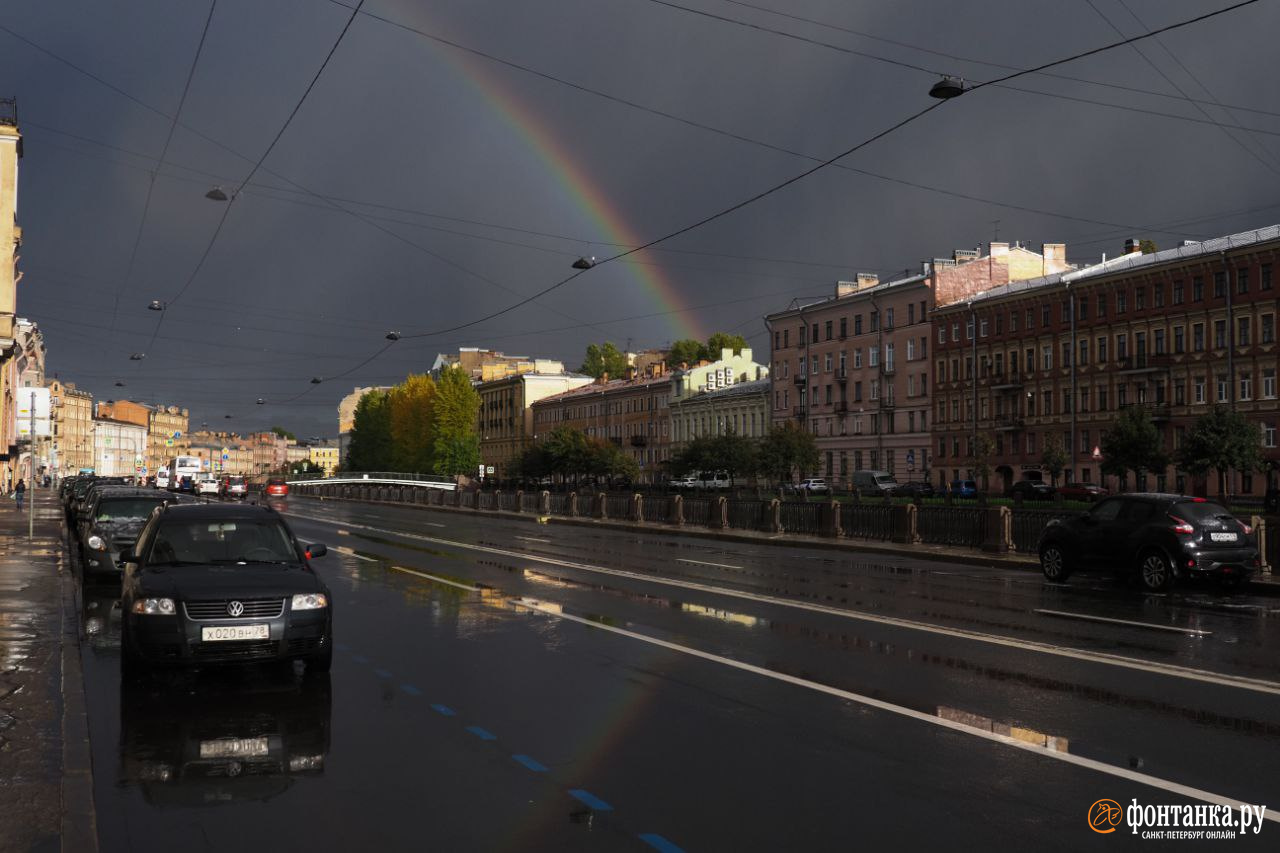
(294, 288)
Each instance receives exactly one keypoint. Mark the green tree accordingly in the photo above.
(722, 341)
(1054, 458)
(454, 416)
(604, 358)
(694, 457)
(567, 452)
(1148, 247)
(1132, 444)
(413, 441)
(371, 446)
(734, 454)
(980, 460)
(786, 450)
(685, 351)
(606, 459)
(283, 433)
(1220, 441)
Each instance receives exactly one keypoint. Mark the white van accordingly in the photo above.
(162, 479)
(714, 480)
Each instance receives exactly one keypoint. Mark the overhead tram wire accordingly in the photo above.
(226, 211)
(160, 161)
(988, 63)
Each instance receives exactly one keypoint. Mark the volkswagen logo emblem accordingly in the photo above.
(235, 608)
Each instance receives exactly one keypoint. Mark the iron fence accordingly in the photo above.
(486, 500)
(508, 501)
(867, 521)
(531, 502)
(656, 508)
(697, 511)
(618, 506)
(559, 504)
(952, 525)
(750, 515)
(802, 517)
(1028, 524)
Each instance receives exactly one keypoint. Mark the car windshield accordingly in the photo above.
(221, 542)
(131, 509)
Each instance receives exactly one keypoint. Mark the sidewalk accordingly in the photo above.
(1268, 584)
(46, 795)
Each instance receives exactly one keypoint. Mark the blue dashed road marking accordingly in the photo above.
(444, 709)
(530, 763)
(359, 658)
(483, 734)
(590, 800)
(382, 673)
(410, 689)
(657, 842)
(342, 647)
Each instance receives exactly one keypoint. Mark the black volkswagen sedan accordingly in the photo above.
(223, 583)
(111, 524)
(1159, 537)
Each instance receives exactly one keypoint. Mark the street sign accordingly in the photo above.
(489, 470)
(177, 434)
(911, 457)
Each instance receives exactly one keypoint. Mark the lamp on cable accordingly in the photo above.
(584, 263)
(948, 87)
(218, 194)
(393, 336)
(138, 356)
(156, 305)
(316, 380)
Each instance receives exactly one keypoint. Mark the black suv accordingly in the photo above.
(1160, 537)
(223, 583)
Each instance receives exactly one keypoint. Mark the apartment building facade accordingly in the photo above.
(505, 422)
(1054, 359)
(740, 408)
(166, 428)
(71, 412)
(855, 369)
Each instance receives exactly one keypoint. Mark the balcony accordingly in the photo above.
(888, 368)
(842, 374)
(1009, 423)
(887, 403)
(1159, 412)
(639, 441)
(800, 412)
(1142, 363)
(842, 407)
(800, 378)
(1002, 381)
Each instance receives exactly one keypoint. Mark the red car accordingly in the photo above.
(1082, 492)
(277, 488)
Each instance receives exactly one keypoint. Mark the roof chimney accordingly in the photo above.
(867, 279)
(1132, 246)
(602, 378)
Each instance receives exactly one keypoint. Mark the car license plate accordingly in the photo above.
(216, 633)
(234, 747)
(1223, 537)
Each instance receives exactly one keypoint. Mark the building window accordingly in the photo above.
(1197, 337)
(844, 327)
(1044, 316)
(1219, 284)
(911, 349)
(1066, 353)
(857, 357)
(1031, 442)
(1177, 293)
(803, 336)
(1267, 328)
(873, 356)
(1065, 314)
(1269, 434)
(1198, 385)
(955, 332)
(999, 324)
(1046, 357)
(1013, 321)
(1102, 305)
(1159, 341)
(857, 324)
(1246, 386)
(1030, 319)
(1179, 394)
(1242, 332)
(1242, 281)
(1269, 383)
(1140, 298)
(874, 389)
(874, 320)
(826, 364)
(1102, 350)
(1179, 340)
(815, 333)
(786, 338)
(1197, 289)
(857, 392)
(888, 318)
(982, 328)
(1266, 276)
(1122, 346)
(1082, 308)
(1122, 301)
(942, 334)
(1083, 357)
(1219, 334)
(827, 328)
(1157, 293)
(1223, 385)
(1102, 398)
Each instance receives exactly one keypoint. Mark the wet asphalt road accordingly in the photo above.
(501, 685)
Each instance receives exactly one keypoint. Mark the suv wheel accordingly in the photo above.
(1156, 572)
(1053, 562)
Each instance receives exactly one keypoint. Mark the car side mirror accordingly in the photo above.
(316, 550)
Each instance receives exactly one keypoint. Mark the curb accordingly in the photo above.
(919, 552)
(79, 816)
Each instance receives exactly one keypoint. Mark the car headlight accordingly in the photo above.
(154, 607)
(299, 763)
(309, 601)
(95, 542)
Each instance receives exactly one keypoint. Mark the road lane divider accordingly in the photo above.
(1089, 617)
(1257, 685)
(705, 563)
(1036, 746)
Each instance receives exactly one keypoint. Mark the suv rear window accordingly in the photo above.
(1199, 511)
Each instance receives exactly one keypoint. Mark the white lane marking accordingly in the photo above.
(1150, 625)
(1172, 670)
(704, 563)
(350, 553)
(878, 704)
(534, 539)
(432, 524)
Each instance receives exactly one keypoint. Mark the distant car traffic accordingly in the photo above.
(964, 489)
(277, 487)
(233, 487)
(915, 488)
(813, 486)
(1030, 490)
(876, 484)
(689, 481)
(111, 527)
(207, 485)
(1082, 492)
(1158, 537)
(223, 583)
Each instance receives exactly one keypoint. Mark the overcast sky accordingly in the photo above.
(420, 186)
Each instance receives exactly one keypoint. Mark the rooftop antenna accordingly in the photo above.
(995, 228)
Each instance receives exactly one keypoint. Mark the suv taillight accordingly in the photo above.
(1180, 526)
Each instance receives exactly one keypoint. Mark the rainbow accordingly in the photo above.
(575, 182)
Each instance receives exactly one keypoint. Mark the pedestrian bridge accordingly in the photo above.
(377, 478)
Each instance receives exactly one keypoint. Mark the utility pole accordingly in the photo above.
(31, 484)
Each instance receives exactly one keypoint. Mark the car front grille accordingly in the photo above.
(254, 608)
(250, 650)
(305, 645)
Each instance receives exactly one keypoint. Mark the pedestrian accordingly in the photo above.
(19, 492)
